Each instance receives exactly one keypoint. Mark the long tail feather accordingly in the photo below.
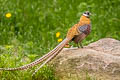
(38, 60)
(51, 57)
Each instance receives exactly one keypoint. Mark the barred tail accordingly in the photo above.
(56, 50)
(52, 56)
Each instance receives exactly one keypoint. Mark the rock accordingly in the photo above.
(97, 61)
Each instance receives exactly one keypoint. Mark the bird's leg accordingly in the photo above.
(78, 45)
(81, 45)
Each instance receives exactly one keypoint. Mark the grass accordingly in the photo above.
(30, 31)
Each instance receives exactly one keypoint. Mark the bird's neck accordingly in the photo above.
(84, 20)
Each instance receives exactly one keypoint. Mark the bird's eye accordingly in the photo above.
(88, 13)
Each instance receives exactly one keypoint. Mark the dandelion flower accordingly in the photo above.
(8, 46)
(59, 40)
(58, 34)
(8, 15)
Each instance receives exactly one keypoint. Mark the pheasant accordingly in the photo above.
(76, 33)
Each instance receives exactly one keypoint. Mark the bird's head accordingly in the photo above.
(87, 14)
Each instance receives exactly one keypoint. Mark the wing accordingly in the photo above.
(86, 29)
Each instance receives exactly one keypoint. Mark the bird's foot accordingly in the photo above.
(80, 46)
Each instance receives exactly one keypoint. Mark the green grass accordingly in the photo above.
(16, 55)
(32, 27)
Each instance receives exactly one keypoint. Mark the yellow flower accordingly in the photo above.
(8, 15)
(59, 40)
(58, 34)
(8, 46)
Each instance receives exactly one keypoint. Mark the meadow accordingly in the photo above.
(28, 30)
